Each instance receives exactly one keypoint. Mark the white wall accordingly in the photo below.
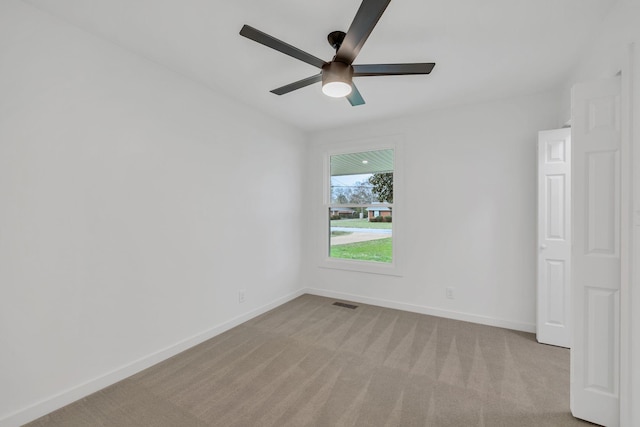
(470, 212)
(605, 55)
(131, 203)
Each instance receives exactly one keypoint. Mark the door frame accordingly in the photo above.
(630, 240)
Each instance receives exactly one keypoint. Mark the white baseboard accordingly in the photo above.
(70, 395)
(474, 318)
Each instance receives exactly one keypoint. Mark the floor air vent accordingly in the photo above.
(345, 305)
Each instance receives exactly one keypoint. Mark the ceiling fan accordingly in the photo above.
(337, 75)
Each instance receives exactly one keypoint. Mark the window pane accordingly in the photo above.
(360, 211)
(362, 178)
(359, 235)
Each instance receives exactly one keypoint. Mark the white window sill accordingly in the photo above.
(388, 269)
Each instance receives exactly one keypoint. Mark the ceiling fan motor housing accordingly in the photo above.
(336, 71)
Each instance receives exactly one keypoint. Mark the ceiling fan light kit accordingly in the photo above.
(337, 79)
(337, 75)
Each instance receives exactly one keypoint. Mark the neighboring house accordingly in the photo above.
(376, 211)
(342, 212)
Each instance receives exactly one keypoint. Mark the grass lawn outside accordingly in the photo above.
(340, 233)
(360, 223)
(373, 250)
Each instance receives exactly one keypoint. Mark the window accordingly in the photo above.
(360, 210)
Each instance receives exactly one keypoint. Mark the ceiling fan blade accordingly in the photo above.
(365, 20)
(354, 97)
(272, 42)
(297, 85)
(392, 69)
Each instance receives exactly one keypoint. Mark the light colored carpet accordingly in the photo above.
(310, 363)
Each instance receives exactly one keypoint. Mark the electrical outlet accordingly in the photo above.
(241, 295)
(449, 293)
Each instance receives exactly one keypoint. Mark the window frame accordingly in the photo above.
(395, 143)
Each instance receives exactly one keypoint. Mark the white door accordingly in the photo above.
(554, 237)
(595, 347)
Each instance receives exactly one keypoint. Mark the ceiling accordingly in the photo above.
(483, 49)
(362, 162)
